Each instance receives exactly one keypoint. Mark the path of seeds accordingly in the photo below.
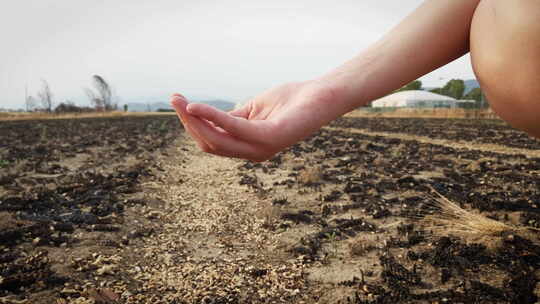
(212, 248)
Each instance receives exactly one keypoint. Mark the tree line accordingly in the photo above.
(454, 88)
(101, 97)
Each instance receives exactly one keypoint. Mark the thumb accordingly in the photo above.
(243, 111)
(237, 126)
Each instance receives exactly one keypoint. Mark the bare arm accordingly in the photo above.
(434, 34)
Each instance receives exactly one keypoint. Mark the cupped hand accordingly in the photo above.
(267, 124)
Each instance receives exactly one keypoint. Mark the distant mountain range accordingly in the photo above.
(155, 106)
(470, 85)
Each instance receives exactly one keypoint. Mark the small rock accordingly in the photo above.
(69, 291)
(37, 241)
(153, 215)
(106, 269)
(104, 295)
(126, 294)
(168, 259)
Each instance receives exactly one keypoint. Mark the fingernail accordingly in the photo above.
(176, 95)
(177, 104)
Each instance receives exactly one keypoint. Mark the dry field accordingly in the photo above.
(10, 116)
(368, 210)
(426, 113)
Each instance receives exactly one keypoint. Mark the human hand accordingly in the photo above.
(264, 126)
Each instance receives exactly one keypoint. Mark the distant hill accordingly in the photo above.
(220, 104)
(470, 85)
(154, 106)
(146, 107)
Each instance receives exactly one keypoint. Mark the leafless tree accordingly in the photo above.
(102, 97)
(30, 103)
(94, 99)
(45, 96)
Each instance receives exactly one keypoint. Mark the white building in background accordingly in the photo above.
(415, 99)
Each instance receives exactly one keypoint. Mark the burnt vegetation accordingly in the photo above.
(337, 198)
(63, 178)
(373, 192)
(464, 130)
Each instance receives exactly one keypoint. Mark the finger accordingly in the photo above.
(201, 142)
(242, 111)
(236, 126)
(222, 143)
(179, 103)
(197, 138)
(179, 95)
(229, 148)
(212, 123)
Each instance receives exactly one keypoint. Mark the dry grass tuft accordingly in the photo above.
(311, 176)
(271, 215)
(446, 218)
(362, 245)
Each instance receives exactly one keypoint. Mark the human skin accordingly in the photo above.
(436, 33)
(505, 52)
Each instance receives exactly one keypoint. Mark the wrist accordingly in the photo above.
(346, 90)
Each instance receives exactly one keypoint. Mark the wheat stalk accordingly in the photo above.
(446, 218)
(450, 219)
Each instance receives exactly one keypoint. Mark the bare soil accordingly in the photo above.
(140, 215)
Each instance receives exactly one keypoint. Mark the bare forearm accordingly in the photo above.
(433, 35)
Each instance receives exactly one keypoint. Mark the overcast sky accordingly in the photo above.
(204, 49)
